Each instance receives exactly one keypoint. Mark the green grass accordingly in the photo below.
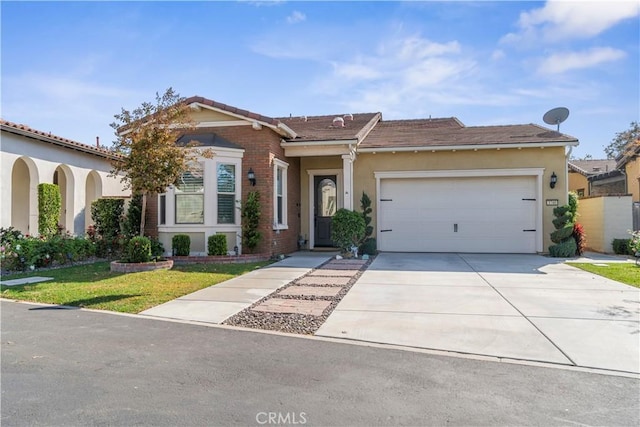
(94, 286)
(625, 272)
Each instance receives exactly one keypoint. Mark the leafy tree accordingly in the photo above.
(146, 138)
(621, 140)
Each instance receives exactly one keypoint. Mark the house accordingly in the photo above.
(629, 163)
(436, 185)
(29, 157)
(595, 177)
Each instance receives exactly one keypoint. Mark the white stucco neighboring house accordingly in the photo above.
(29, 157)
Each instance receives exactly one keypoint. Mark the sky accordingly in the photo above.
(69, 67)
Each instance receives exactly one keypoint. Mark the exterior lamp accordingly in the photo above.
(554, 179)
(252, 177)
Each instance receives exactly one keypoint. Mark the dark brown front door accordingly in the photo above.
(325, 206)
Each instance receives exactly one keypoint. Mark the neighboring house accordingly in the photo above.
(629, 163)
(595, 177)
(29, 157)
(435, 184)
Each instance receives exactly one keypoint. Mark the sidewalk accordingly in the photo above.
(217, 303)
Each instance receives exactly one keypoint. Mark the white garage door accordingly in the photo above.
(479, 214)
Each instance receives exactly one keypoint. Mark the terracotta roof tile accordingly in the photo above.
(54, 139)
(451, 132)
(322, 128)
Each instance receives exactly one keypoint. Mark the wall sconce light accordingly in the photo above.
(554, 179)
(252, 177)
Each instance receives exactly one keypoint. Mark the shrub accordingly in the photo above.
(181, 244)
(347, 229)
(580, 237)
(138, 250)
(107, 216)
(573, 206)
(217, 244)
(49, 203)
(157, 248)
(369, 247)
(250, 221)
(622, 246)
(634, 244)
(131, 223)
(565, 244)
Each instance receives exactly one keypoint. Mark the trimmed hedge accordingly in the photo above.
(217, 244)
(49, 205)
(181, 244)
(138, 250)
(621, 246)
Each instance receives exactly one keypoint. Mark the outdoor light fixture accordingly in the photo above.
(554, 179)
(252, 177)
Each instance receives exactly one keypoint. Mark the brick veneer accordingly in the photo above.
(260, 146)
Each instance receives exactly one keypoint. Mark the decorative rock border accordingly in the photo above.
(136, 267)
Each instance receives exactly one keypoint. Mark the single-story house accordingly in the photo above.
(436, 185)
(595, 177)
(29, 157)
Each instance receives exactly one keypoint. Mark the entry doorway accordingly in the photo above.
(325, 206)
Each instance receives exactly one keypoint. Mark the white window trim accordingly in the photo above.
(279, 164)
(235, 194)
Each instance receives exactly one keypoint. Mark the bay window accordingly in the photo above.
(189, 196)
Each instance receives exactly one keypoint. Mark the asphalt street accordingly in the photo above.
(77, 367)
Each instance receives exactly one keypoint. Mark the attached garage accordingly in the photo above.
(490, 211)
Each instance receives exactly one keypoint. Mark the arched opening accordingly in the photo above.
(63, 178)
(93, 191)
(24, 195)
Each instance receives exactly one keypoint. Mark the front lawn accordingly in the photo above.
(94, 286)
(625, 272)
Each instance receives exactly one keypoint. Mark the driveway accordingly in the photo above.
(525, 307)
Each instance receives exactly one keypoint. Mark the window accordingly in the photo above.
(226, 176)
(580, 192)
(190, 196)
(162, 209)
(280, 194)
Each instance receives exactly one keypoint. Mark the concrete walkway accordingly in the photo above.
(217, 303)
(525, 307)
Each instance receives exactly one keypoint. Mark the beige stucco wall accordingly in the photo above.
(578, 181)
(551, 159)
(632, 170)
(604, 219)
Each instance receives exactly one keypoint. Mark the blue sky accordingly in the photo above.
(68, 67)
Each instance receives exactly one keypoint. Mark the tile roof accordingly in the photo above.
(592, 166)
(451, 132)
(322, 128)
(630, 152)
(48, 137)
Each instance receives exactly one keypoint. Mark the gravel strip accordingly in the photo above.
(294, 323)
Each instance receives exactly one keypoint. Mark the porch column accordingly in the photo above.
(347, 177)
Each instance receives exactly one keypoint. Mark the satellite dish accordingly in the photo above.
(556, 116)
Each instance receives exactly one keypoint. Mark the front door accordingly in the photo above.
(325, 206)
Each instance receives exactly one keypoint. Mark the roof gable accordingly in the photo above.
(592, 166)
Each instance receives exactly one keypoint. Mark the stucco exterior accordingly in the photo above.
(578, 183)
(551, 159)
(632, 171)
(26, 161)
(605, 218)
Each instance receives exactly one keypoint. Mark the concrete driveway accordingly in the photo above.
(525, 307)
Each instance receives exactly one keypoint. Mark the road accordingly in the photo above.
(76, 367)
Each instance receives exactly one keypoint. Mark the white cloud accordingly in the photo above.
(296, 17)
(560, 20)
(497, 55)
(566, 61)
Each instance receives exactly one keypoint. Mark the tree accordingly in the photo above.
(621, 140)
(146, 140)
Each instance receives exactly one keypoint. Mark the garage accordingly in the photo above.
(483, 214)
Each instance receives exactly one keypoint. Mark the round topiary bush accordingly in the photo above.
(138, 250)
(347, 229)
